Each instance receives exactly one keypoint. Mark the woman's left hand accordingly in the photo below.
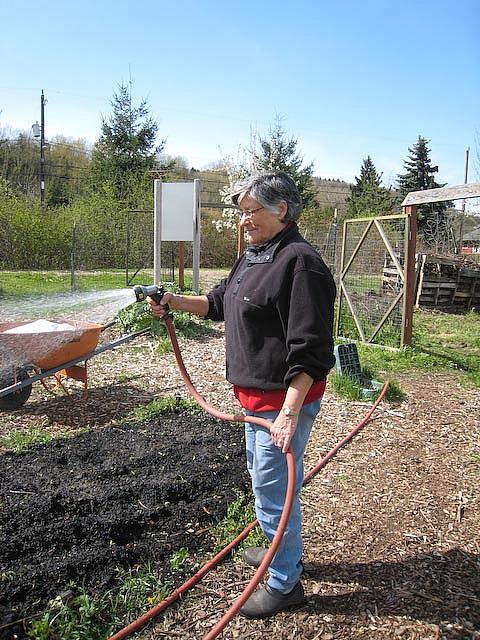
(282, 431)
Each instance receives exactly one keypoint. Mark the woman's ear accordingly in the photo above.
(282, 210)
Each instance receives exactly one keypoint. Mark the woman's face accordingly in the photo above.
(261, 225)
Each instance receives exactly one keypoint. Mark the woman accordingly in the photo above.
(277, 304)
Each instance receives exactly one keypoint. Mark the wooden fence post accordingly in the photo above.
(409, 295)
(181, 264)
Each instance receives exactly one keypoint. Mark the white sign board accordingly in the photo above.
(176, 218)
(178, 211)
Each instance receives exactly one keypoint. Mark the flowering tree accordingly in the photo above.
(273, 152)
(238, 167)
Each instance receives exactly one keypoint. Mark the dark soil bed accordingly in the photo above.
(76, 509)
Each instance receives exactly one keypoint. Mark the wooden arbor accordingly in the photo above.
(410, 203)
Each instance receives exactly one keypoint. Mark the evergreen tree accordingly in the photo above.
(368, 197)
(420, 175)
(126, 151)
(278, 153)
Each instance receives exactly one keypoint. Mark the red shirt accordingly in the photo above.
(259, 400)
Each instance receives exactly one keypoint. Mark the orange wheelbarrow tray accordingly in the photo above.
(45, 354)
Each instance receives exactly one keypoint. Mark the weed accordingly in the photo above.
(123, 378)
(76, 618)
(138, 591)
(163, 346)
(394, 392)
(83, 616)
(179, 558)
(138, 316)
(240, 513)
(475, 459)
(22, 440)
(162, 406)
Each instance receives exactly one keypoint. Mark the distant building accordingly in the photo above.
(471, 241)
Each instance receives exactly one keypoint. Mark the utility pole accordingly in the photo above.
(38, 131)
(42, 148)
(462, 215)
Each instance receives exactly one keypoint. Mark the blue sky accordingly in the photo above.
(349, 79)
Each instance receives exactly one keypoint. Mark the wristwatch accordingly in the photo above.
(290, 413)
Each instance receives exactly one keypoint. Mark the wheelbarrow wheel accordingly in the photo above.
(17, 398)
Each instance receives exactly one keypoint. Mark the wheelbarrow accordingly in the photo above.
(27, 357)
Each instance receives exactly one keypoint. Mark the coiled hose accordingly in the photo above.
(250, 588)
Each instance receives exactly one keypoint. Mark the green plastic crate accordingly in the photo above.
(347, 363)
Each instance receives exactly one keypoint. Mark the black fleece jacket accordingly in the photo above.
(277, 304)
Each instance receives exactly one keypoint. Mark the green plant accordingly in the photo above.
(475, 459)
(138, 590)
(134, 317)
(240, 513)
(137, 316)
(346, 387)
(122, 378)
(163, 346)
(22, 440)
(164, 405)
(83, 616)
(394, 392)
(79, 617)
(179, 558)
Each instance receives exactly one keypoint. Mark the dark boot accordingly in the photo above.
(267, 601)
(254, 556)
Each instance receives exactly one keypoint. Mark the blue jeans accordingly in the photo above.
(268, 470)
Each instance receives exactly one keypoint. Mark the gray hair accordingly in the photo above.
(269, 189)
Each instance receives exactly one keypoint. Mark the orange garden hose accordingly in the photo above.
(177, 593)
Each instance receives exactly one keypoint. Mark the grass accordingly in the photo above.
(350, 388)
(18, 441)
(25, 283)
(28, 283)
(441, 342)
(163, 406)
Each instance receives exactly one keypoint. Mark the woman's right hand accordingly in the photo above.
(161, 308)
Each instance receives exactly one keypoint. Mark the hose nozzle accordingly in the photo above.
(153, 291)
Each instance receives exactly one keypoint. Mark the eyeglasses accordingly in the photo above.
(248, 213)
